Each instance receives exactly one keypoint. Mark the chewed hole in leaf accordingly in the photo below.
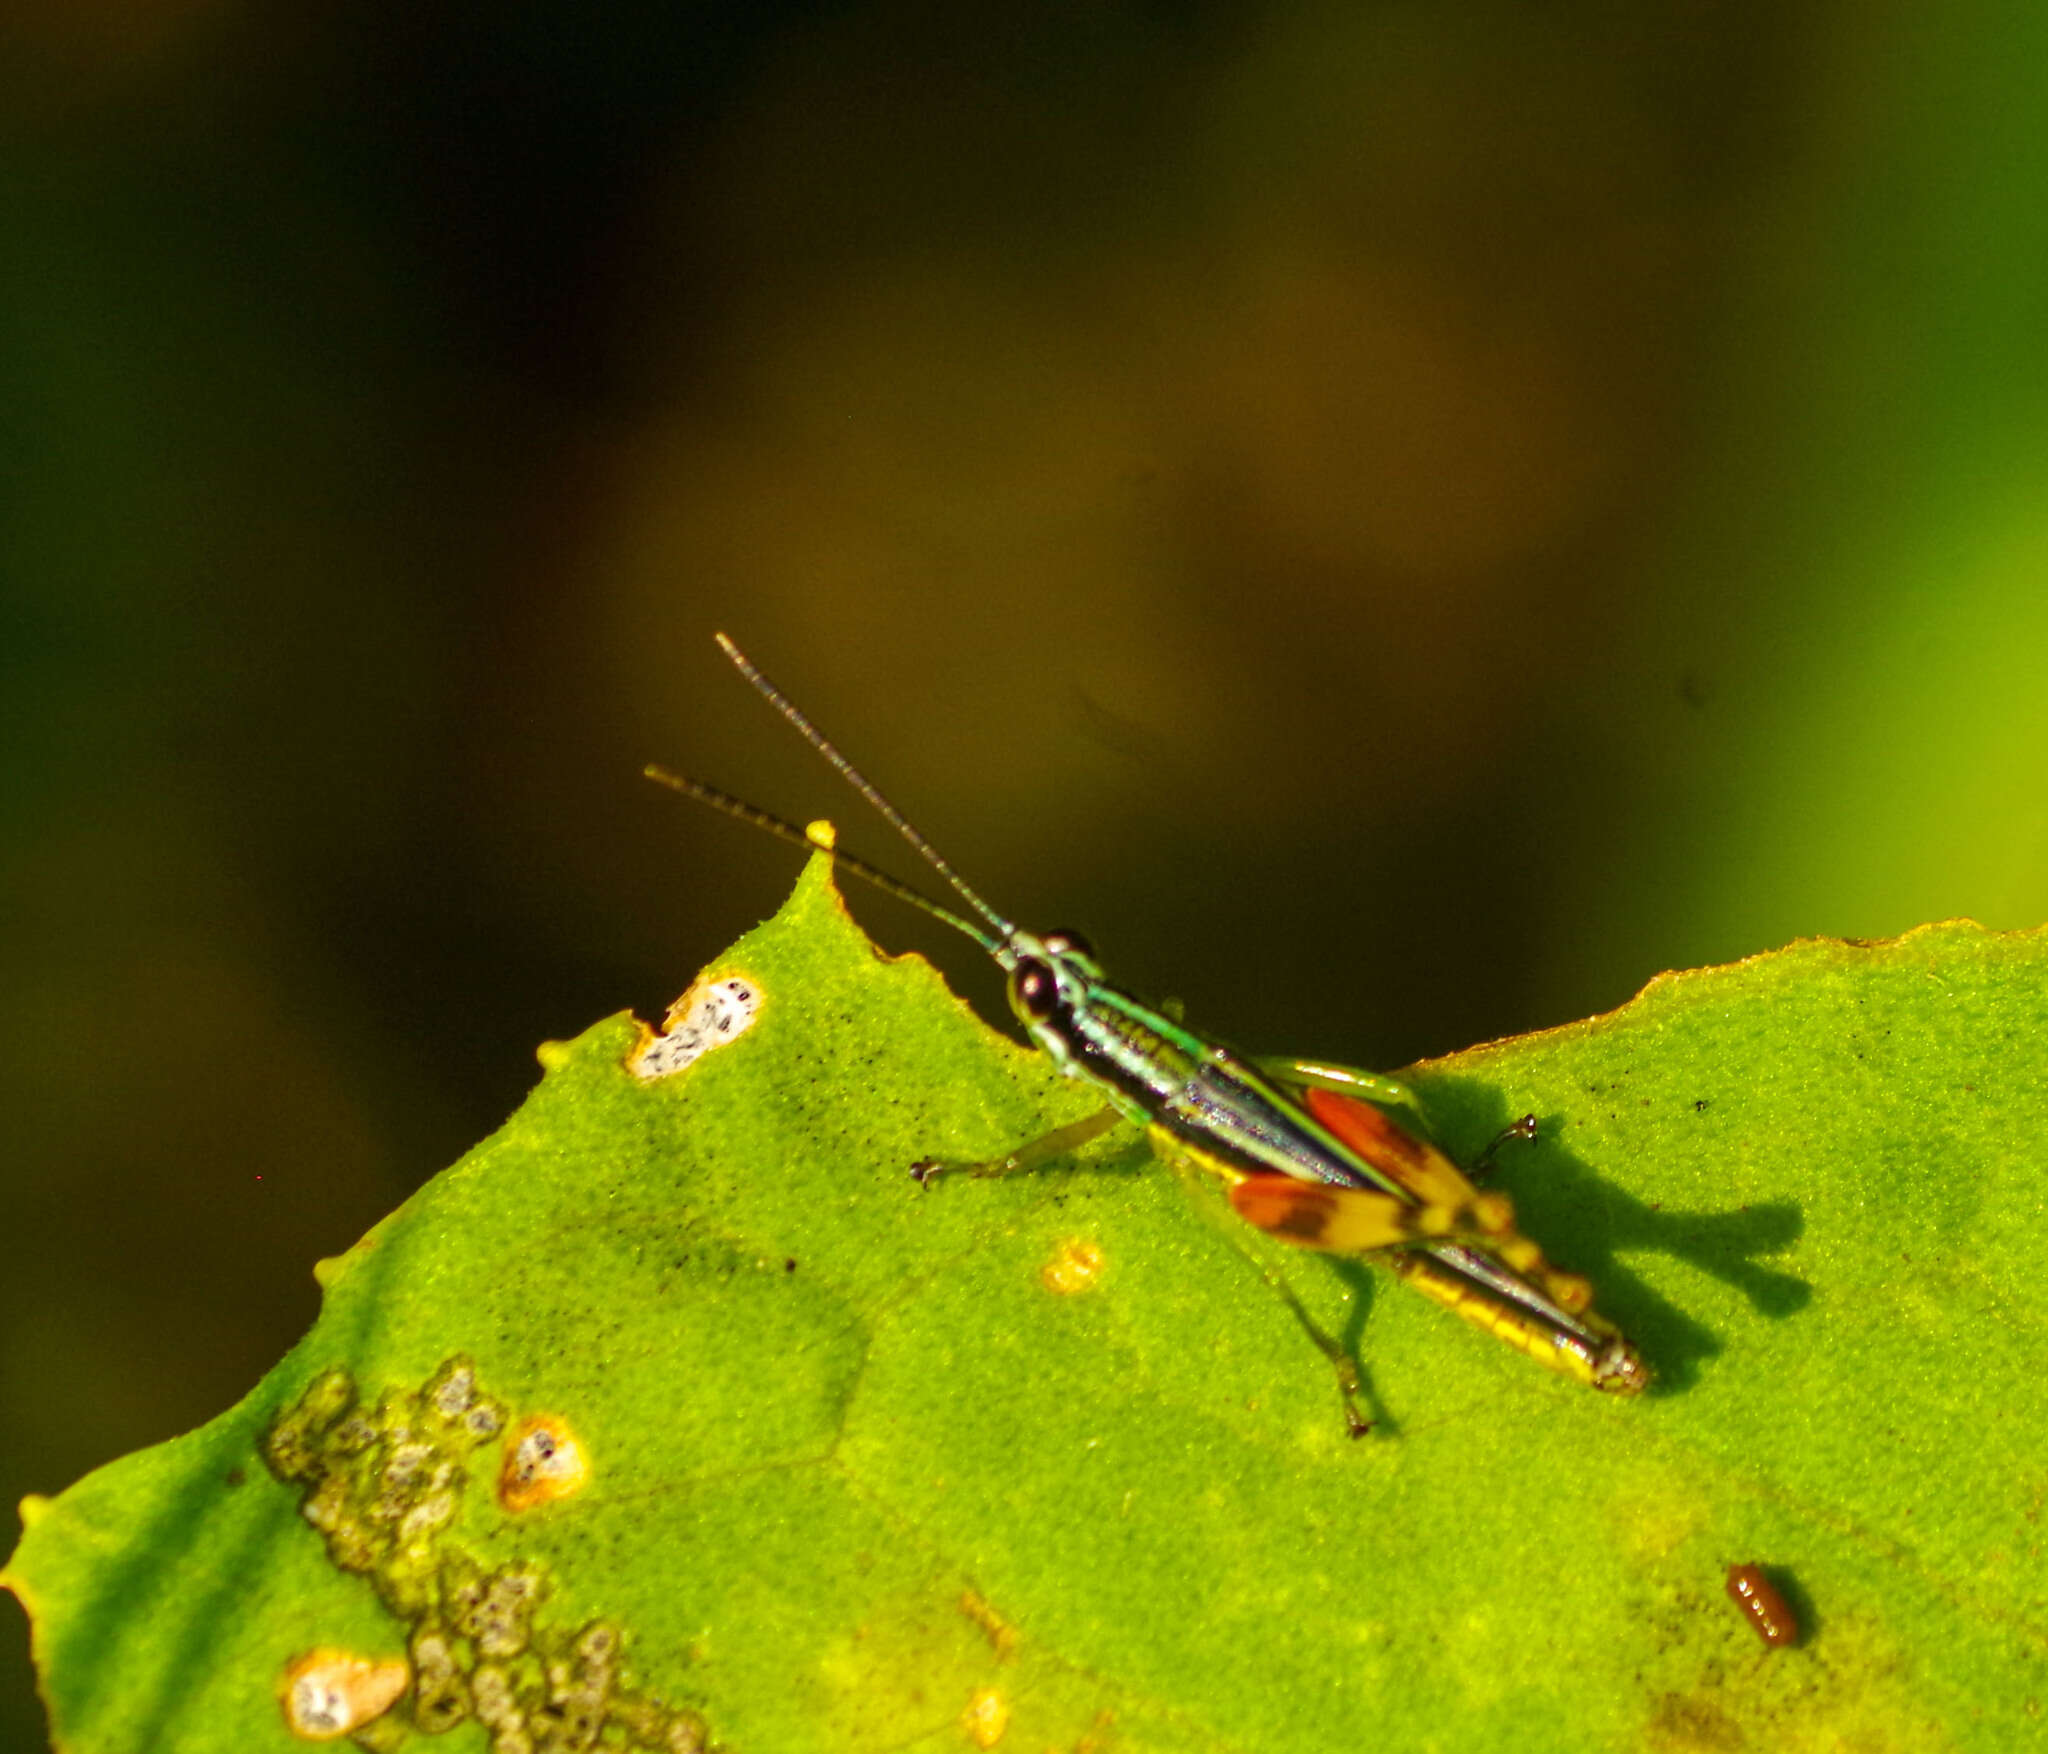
(712, 1014)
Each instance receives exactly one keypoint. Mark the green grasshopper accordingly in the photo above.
(1305, 1150)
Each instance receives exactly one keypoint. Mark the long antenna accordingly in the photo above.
(853, 777)
(788, 831)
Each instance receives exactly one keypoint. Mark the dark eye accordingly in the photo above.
(1033, 990)
(1069, 944)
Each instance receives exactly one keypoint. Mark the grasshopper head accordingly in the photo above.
(1050, 979)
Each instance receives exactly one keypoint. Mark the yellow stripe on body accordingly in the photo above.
(1505, 1321)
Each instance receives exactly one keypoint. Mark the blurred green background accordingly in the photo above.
(1401, 521)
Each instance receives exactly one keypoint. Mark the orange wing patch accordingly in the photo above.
(1397, 1154)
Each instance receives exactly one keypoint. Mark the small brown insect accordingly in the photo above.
(1761, 1604)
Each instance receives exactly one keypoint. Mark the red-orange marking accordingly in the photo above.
(1283, 1206)
(1365, 1129)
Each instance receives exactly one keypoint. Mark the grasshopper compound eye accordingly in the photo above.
(1034, 990)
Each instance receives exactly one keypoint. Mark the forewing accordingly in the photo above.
(1411, 1163)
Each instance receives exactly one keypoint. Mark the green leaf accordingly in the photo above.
(874, 1467)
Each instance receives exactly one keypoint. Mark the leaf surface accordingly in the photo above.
(1040, 1463)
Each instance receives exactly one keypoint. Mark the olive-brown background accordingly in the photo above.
(1403, 521)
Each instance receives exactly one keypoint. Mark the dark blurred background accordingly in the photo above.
(1403, 521)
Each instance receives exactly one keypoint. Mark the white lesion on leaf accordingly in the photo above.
(544, 1461)
(712, 1014)
(383, 1483)
(331, 1693)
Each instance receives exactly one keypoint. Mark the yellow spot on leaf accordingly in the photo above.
(332, 1693)
(986, 1718)
(822, 835)
(553, 1055)
(1075, 1266)
(544, 1461)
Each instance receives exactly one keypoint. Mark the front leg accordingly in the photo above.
(1060, 1142)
